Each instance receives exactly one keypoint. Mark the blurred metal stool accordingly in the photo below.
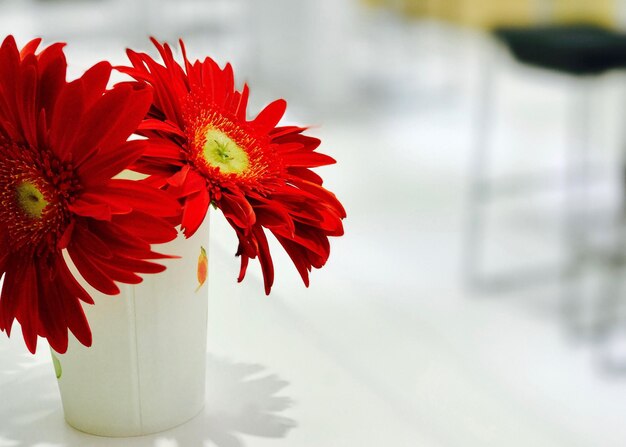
(581, 53)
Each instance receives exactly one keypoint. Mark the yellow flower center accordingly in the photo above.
(223, 153)
(31, 200)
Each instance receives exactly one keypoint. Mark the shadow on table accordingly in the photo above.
(242, 399)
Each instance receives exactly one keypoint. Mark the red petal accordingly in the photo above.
(162, 148)
(299, 258)
(76, 321)
(27, 312)
(322, 194)
(27, 101)
(237, 208)
(83, 207)
(116, 272)
(135, 195)
(66, 236)
(138, 265)
(110, 162)
(90, 242)
(66, 119)
(270, 116)
(30, 47)
(94, 82)
(307, 159)
(70, 283)
(52, 68)
(147, 227)
(9, 303)
(285, 130)
(272, 215)
(155, 168)
(243, 268)
(194, 211)
(193, 183)
(64, 305)
(179, 178)
(121, 241)
(160, 126)
(52, 314)
(267, 267)
(305, 174)
(111, 120)
(90, 271)
(242, 103)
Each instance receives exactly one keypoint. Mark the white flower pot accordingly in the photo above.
(145, 371)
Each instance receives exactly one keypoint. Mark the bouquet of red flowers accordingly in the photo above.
(63, 209)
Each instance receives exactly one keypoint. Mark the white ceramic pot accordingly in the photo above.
(145, 371)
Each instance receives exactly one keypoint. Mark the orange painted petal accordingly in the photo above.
(203, 267)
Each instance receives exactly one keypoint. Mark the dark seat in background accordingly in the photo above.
(572, 49)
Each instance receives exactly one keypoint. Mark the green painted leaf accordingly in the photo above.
(57, 366)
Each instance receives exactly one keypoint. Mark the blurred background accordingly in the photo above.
(477, 298)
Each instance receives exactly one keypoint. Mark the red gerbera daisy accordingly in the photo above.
(60, 144)
(255, 172)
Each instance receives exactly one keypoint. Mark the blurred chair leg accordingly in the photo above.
(476, 219)
(611, 352)
(610, 330)
(579, 321)
(482, 190)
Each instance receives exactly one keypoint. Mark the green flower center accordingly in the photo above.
(31, 200)
(223, 153)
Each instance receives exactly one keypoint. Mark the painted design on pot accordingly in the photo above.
(57, 366)
(203, 267)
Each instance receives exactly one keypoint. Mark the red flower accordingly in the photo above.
(206, 151)
(60, 144)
